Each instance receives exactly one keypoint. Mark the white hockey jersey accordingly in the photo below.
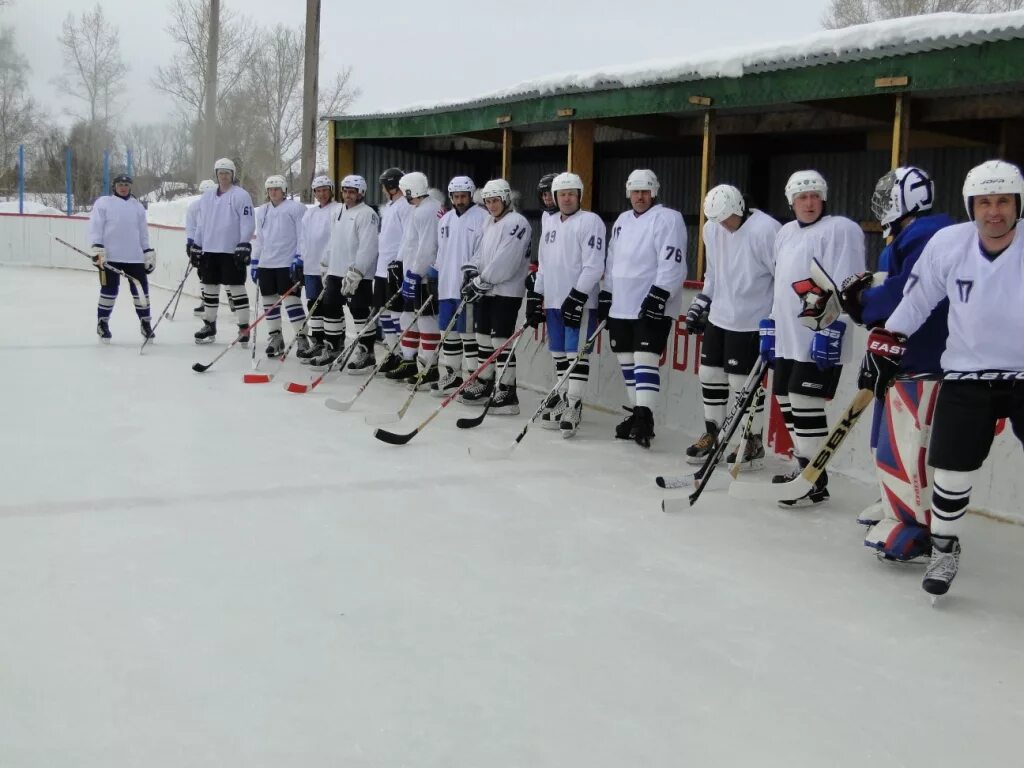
(457, 239)
(986, 313)
(419, 242)
(740, 273)
(225, 220)
(838, 243)
(354, 241)
(646, 250)
(393, 217)
(571, 255)
(192, 219)
(279, 234)
(503, 257)
(119, 225)
(316, 234)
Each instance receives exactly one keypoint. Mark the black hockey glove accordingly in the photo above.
(243, 254)
(850, 295)
(572, 308)
(194, 252)
(604, 305)
(653, 307)
(534, 309)
(531, 282)
(297, 270)
(475, 290)
(882, 361)
(697, 314)
(395, 277)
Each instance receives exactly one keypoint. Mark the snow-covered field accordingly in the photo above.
(196, 572)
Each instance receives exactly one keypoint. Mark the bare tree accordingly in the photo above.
(336, 99)
(21, 119)
(92, 60)
(845, 13)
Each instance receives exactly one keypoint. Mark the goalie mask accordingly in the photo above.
(901, 193)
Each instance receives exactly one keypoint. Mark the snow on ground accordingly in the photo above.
(30, 206)
(170, 213)
(199, 572)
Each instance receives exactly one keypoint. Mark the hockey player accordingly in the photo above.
(417, 255)
(808, 363)
(350, 258)
(570, 264)
(387, 279)
(277, 264)
(545, 196)
(493, 283)
(551, 414)
(644, 277)
(316, 236)
(902, 203)
(120, 238)
(223, 230)
(979, 267)
(191, 219)
(458, 235)
(738, 284)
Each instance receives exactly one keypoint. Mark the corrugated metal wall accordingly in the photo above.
(679, 177)
(372, 160)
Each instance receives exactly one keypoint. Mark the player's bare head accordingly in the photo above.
(642, 188)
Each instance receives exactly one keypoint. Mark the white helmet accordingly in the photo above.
(806, 181)
(993, 177)
(322, 181)
(567, 181)
(414, 185)
(722, 202)
(900, 193)
(355, 182)
(206, 184)
(641, 179)
(461, 184)
(275, 182)
(497, 188)
(225, 164)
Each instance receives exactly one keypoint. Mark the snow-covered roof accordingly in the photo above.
(880, 39)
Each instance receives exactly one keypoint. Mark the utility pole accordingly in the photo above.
(310, 91)
(210, 110)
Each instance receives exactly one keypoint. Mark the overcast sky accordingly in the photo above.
(410, 51)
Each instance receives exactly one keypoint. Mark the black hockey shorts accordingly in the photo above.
(641, 335)
(496, 315)
(795, 377)
(220, 269)
(426, 288)
(735, 351)
(274, 281)
(964, 426)
(382, 293)
(360, 303)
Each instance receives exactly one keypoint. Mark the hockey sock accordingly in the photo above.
(411, 342)
(508, 377)
(240, 303)
(628, 369)
(809, 423)
(211, 298)
(293, 308)
(714, 389)
(141, 298)
(469, 352)
(389, 327)
(578, 377)
(430, 338)
(484, 351)
(787, 415)
(951, 493)
(273, 315)
(451, 352)
(108, 295)
(648, 378)
(561, 364)
(736, 382)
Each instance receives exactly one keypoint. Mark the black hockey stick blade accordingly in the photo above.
(475, 421)
(394, 438)
(201, 368)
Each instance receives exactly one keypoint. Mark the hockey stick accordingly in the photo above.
(201, 368)
(266, 378)
(254, 363)
(803, 482)
(176, 294)
(504, 453)
(401, 439)
(344, 405)
(741, 449)
(298, 388)
(133, 280)
(476, 421)
(390, 418)
(688, 480)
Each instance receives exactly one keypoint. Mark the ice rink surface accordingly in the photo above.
(196, 572)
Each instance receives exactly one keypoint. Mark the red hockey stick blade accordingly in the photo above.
(297, 388)
(257, 378)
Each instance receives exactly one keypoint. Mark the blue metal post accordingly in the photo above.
(67, 178)
(21, 178)
(106, 173)
(130, 163)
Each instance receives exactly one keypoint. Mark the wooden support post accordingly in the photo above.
(506, 154)
(900, 130)
(332, 154)
(581, 158)
(707, 176)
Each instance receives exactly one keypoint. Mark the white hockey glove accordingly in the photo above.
(350, 282)
(99, 255)
(150, 260)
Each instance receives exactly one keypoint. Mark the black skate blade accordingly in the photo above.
(393, 438)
